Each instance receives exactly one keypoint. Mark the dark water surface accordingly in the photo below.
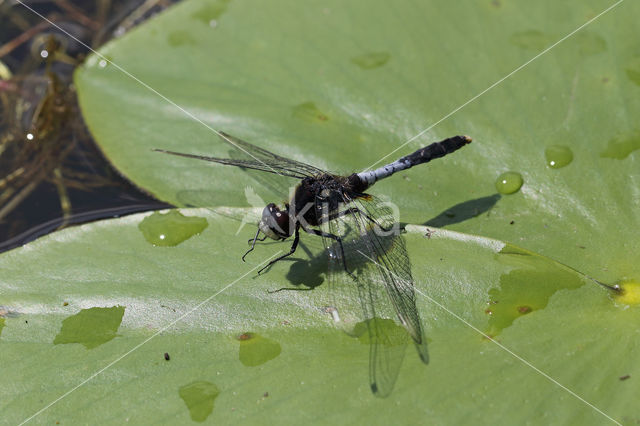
(52, 174)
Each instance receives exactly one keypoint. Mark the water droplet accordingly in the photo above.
(30, 136)
(558, 156)
(213, 23)
(170, 229)
(509, 182)
(103, 63)
(44, 54)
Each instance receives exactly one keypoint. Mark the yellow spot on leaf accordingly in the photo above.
(629, 293)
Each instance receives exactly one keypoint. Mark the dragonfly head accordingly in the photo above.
(275, 222)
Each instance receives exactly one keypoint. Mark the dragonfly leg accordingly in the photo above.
(253, 243)
(335, 238)
(253, 240)
(296, 239)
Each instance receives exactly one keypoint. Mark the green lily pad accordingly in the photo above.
(342, 86)
(305, 87)
(179, 300)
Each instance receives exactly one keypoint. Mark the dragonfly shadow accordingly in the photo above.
(311, 272)
(464, 211)
(306, 273)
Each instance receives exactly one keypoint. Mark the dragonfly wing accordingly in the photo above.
(276, 168)
(385, 331)
(390, 255)
(387, 251)
(254, 153)
(251, 157)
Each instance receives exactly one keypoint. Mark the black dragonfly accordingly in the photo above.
(367, 254)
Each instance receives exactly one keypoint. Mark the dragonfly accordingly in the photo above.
(367, 257)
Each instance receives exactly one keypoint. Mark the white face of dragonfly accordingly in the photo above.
(275, 222)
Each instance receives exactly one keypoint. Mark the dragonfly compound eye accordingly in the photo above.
(275, 222)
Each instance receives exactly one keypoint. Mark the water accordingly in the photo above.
(558, 156)
(509, 182)
(51, 172)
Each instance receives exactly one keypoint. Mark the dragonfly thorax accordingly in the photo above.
(275, 222)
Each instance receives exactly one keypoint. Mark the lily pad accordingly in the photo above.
(342, 86)
(233, 340)
(289, 77)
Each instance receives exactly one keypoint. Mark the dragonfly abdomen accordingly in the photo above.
(423, 155)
